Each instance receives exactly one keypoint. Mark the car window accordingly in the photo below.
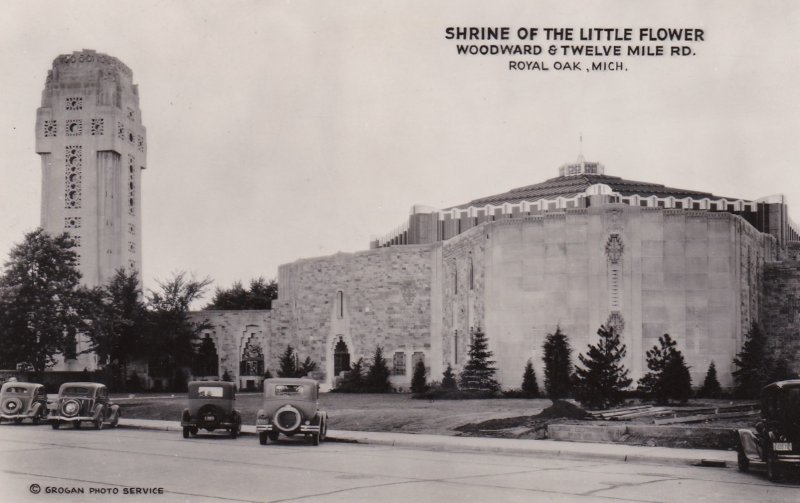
(210, 391)
(16, 389)
(76, 391)
(288, 389)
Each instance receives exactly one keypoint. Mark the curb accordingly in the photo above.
(548, 448)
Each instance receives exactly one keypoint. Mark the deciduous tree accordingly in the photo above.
(40, 301)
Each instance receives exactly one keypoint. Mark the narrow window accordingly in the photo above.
(399, 364)
(340, 303)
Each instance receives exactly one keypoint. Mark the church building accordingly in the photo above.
(577, 251)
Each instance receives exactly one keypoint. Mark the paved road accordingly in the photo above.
(220, 469)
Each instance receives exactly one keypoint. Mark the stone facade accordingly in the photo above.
(781, 310)
(700, 276)
(92, 144)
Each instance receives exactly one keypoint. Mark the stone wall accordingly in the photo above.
(780, 312)
(385, 301)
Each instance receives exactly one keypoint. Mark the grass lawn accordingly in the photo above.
(360, 412)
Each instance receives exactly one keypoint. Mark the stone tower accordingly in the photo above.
(91, 140)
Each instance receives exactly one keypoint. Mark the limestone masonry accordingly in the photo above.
(92, 144)
(577, 251)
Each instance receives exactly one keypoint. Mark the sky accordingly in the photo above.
(280, 130)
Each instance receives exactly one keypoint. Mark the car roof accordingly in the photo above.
(222, 384)
(789, 383)
(18, 384)
(90, 385)
(289, 380)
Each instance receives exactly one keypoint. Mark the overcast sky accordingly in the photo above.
(285, 130)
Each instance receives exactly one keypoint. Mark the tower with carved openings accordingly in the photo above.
(92, 144)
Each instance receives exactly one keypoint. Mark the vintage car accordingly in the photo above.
(23, 400)
(211, 408)
(79, 402)
(290, 407)
(775, 443)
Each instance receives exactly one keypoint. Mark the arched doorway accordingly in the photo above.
(251, 366)
(341, 357)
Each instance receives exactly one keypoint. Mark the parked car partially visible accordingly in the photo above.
(774, 445)
(211, 408)
(23, 400)
(80, 402)
(290, 407)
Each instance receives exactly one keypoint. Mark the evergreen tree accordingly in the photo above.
(259, 296)
(226, 376)
(677, 381)
(418, 381)
(668, 377)
(377, 379)
(557, 365)
(449, 378)
(40, 301)
(288, 363)
(711, 387)
(307, 367)
(353, 381)
(752, 371)
(479, 371)
(530, 387)
(602, 378)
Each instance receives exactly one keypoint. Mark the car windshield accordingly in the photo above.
(16, 389)
(77, 391)
(209, 391)
(288, 389)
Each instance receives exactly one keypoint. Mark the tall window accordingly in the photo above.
(399, 364)
(341, 357)
(340, 304)
(455, 347)
(471, 274)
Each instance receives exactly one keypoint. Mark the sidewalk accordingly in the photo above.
(553, 448)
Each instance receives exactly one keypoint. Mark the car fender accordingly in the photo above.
(36, 409)
(185, 416)
(98, 412)
(114, 409)
(749, 443)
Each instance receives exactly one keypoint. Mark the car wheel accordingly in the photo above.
(742, 460)
(98, 423)
(185, 432)
(774, 471)
(315, 439)
(17, 420)
(55, 425)
(115, 419)
(323, 431)
(193, 430)
(262, 438)
(76, 425)
(273, 435)
(234, 431)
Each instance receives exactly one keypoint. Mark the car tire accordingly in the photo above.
(55, 424)
(273, 435)
(193, 430)
(742, 460)
(185, 432)
(114, 419)
(315, 439)
(76, 425)
(262, 438)
(323, 430)
(234, 431)
(98, 423)
(774, 469)
(17, 420)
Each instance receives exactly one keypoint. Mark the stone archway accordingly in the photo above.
(341, 357)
